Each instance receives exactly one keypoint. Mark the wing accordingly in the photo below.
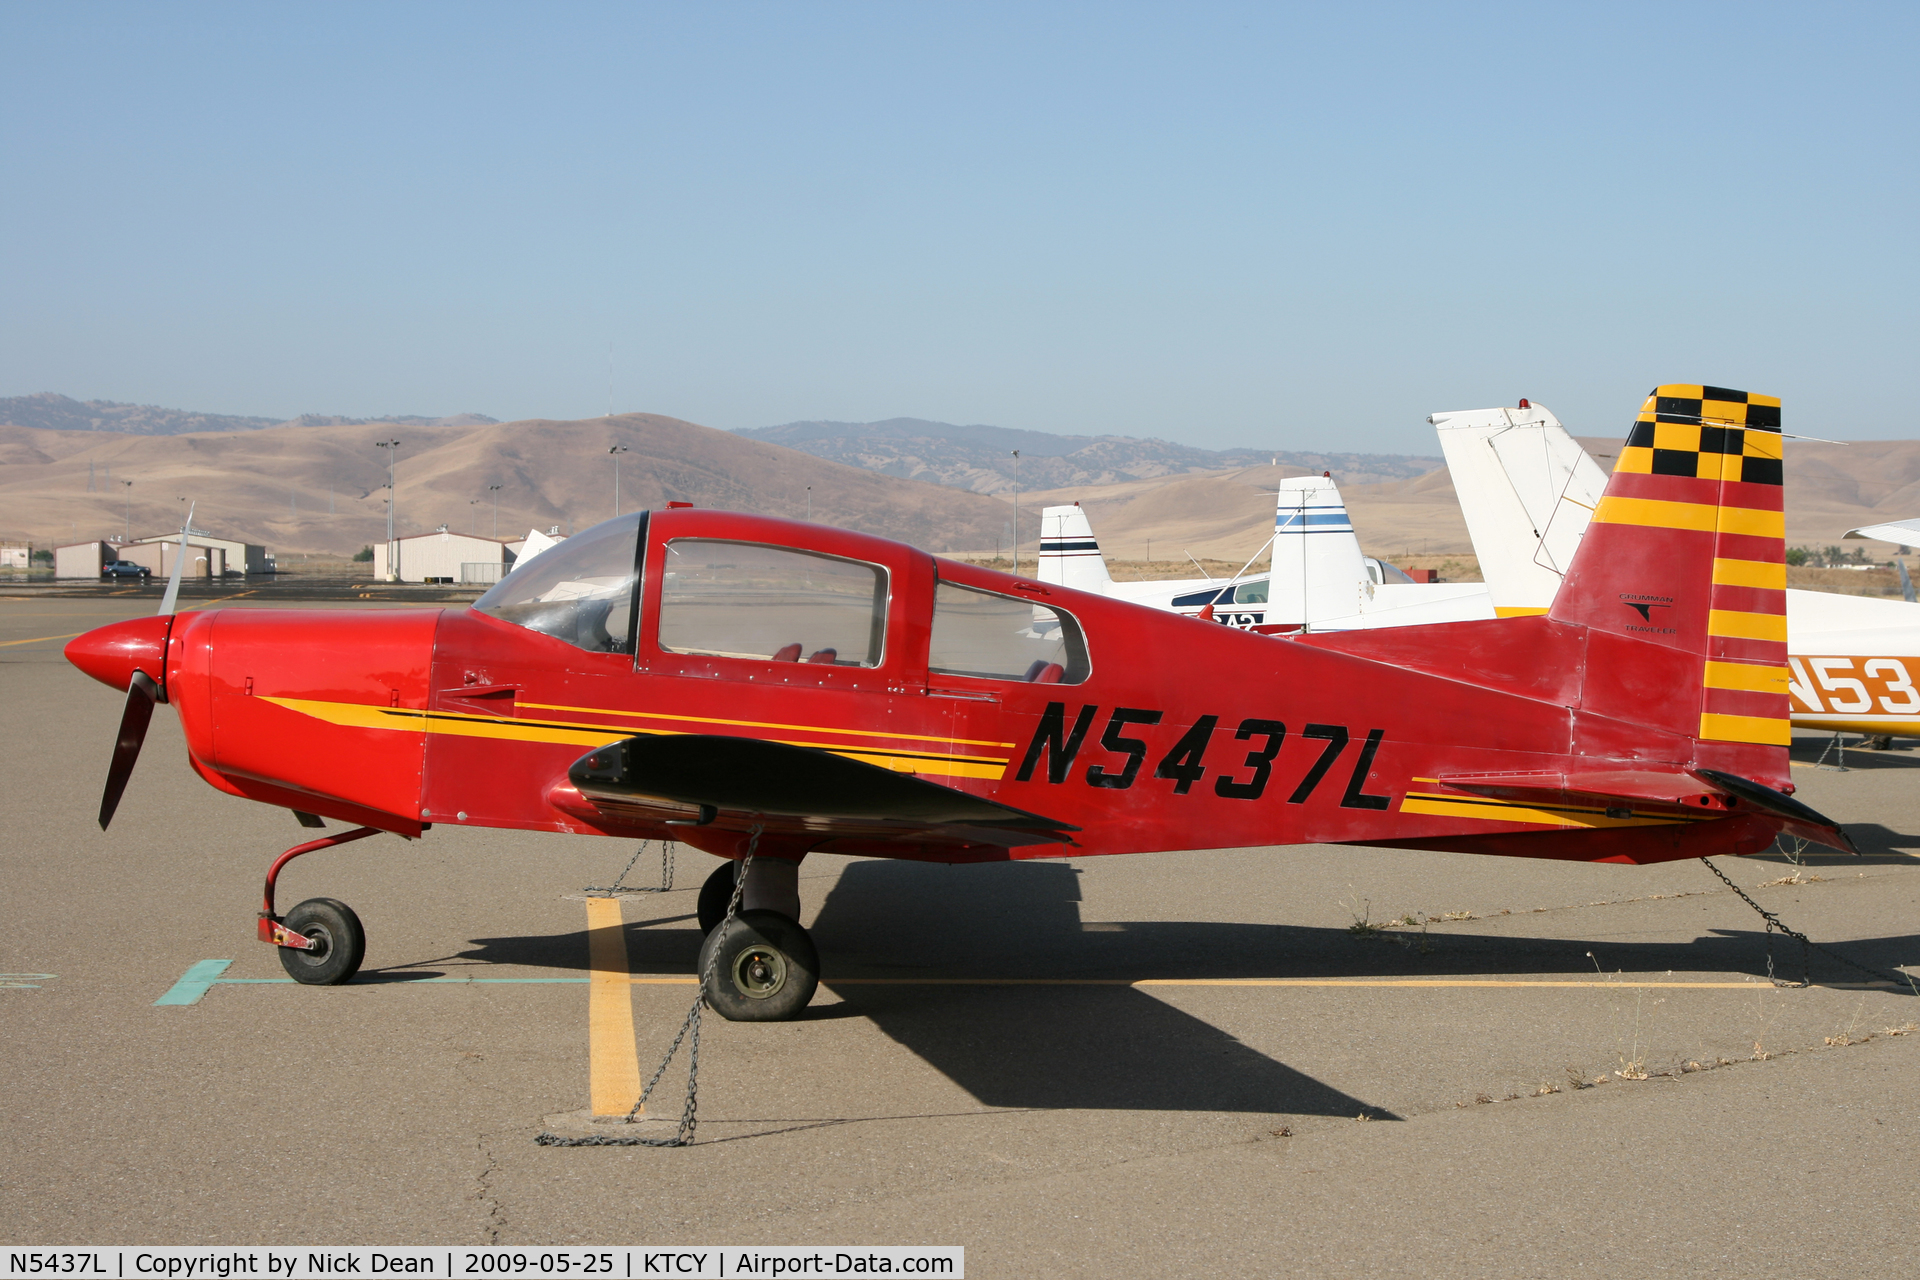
(702, 779)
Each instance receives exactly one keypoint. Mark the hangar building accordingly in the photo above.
(238, 557)
(444, 556)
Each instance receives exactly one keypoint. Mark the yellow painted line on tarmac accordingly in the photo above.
(613, 1062)
(40, 639)
(1236, 982)
(222, 599)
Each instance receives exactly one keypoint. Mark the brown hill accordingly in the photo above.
(1227, 514)
(1832, 488)
(272, 485)
(51, 411)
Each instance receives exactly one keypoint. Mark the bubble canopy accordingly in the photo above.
(581, 591)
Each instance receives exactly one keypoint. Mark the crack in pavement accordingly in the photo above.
(495, 1218)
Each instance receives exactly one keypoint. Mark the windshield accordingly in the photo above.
(580, 591)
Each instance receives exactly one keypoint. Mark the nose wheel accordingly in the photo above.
(336, 943)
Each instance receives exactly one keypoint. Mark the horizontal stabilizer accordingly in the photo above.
(1629, 786)
(1900, 532)
(1643, 793)
(738, 780)
(1800, 820)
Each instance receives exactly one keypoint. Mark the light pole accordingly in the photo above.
(494, 489)
(616, 451)
(126, 527)
(809, 504)
(393, 552)
(1016, 513)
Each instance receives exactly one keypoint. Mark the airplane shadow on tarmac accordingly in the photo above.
(1020, 921)
(1056, 1045)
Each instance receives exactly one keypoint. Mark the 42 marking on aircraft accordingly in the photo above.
(1059, 744)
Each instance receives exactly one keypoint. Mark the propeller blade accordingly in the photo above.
(142, 693)
(173, 591)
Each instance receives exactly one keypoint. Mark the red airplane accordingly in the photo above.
(763, 689)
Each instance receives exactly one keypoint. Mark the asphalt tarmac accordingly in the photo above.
(1071, 1068)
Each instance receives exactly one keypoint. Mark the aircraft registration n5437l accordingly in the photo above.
(762, 689)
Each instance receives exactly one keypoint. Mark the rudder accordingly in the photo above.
(1687, 553)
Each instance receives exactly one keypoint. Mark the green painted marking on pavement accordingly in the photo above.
(194, 982)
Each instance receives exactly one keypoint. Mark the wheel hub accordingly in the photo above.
(759, 972)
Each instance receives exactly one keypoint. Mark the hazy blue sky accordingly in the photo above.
(1275, 226)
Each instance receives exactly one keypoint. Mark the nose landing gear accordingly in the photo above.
(321, 941)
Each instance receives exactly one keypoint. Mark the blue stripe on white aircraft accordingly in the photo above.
(1318, 579)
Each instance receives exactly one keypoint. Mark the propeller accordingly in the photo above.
(142, 693)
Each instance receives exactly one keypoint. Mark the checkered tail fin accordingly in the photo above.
(1681, 580)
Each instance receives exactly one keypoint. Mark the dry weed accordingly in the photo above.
(1361, 909)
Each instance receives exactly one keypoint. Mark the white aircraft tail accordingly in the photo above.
(1318, 571)
(1527, 490)
(1069, 554)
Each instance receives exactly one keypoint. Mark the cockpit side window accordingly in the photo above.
(993, 637)
(777, 604)
(581, 591)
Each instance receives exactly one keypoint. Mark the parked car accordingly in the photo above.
(124, 569)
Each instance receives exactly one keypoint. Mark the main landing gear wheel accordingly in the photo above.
(763, 970)
(339, 943)
(715, 894)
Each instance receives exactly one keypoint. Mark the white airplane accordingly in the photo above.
(1318, 579)
(1528, 491)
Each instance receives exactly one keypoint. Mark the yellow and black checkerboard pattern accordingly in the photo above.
(1706, 433)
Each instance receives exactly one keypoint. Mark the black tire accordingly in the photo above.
(343, 943)
(715, 894)
(764, 968)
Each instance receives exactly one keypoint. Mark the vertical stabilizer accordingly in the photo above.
(1069, 555)
(1527, 490)
(1681, 580)
(1318, 572)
